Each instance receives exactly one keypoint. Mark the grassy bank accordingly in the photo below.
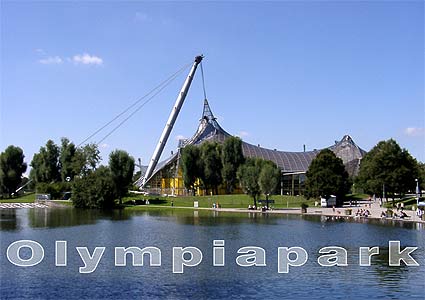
(26, 198)
(30, 198)
(225, 201)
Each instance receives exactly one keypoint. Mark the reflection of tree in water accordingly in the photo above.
(9, 220)
(63, 217)
(216, 218)
(397, 278)
(385, 273)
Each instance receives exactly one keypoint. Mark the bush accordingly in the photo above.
(56, 189)
(304, 205)
(95, 190)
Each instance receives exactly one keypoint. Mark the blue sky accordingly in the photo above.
(279, 74)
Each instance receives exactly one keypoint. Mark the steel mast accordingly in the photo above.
(171, 121)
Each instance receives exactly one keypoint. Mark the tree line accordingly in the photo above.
(386, 168)
(212, 165)
(57, 169)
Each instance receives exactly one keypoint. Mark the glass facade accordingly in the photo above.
(293, 184)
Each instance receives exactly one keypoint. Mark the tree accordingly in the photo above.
(248, 175)
(86, 159)
(12, 166)
(191, 166)
(327, 176)
(121, 165)
(94, 190)
(45, 164)
(387, 164)
(232, 158)
(211, 159)
(66, 159)
(268, 179)
(421, 176)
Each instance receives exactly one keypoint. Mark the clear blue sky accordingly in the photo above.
(279, 74)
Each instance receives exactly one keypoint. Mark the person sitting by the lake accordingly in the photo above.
(402, 214)
(218, 205)
(214, 205)
(367, 213)
(249, 207)
(383, 214)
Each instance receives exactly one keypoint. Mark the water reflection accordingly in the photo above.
(9, 220)
(173, 227)
(63, 217)
(13, 219)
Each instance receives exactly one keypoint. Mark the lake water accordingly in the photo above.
(174, 228)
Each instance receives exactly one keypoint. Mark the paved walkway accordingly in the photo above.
(22, 205)
(372, 206)
(374, 209)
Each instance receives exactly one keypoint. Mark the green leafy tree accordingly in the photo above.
(421, 175)
(232, 158)
(94, 190)
(12, 166)
(327, 176)
(121, 165)
(390, 165)
(192, 167)
(212, 166)
(248, 175)
(86, 159)
(66, 159)
(269, 179)
(45, 164)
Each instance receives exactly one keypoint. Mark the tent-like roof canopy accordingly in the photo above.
(288, 162)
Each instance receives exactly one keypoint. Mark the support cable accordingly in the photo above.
(203, 81)
(160, 86)
(135, 111)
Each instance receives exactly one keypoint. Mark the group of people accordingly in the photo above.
(400, 215)
(362, 213)
(216, 205)
(263, 208)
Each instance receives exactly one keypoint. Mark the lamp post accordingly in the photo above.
(383, 193)
(417, 191)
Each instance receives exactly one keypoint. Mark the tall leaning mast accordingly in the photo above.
(170, 123)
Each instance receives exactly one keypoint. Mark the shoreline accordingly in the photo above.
(314, 211)
(311, 211)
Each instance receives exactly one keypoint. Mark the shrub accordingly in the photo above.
(94, 190)
(56, 189)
